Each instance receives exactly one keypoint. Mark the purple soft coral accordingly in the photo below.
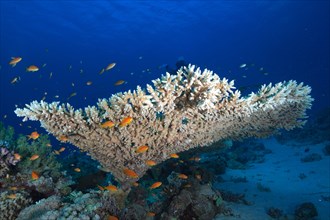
(4, 151)
(8, 157)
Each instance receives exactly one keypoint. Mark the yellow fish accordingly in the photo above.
(15, 60)
(107, 124)
(88, 83)
(61, 149)
(110, 66)
(77, 169)
(142, 149)
(125, 121)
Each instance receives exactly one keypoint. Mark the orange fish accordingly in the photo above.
(77, 169)
(32, 68)
(119, 82)
(100, 187)
(150, 163)
(34, 135)
(56, 152)
(15, 60)
(17, 156)
(142, 149)
(14, 188)
(130, 173)
(71, 95)
(111, 217)
(34, 157)
(197, 159)
(198, 176)
(111, 188)
(34, 175)
(61, 149)
(102, 71)
(174, 156)
(155, 185)
(135, 184)
(125, 121)
(107, 124)
(63, 138)
(183, 176)
(151, 214)
(110, 66)
(48, 145)
(15, 80)
(11, 196)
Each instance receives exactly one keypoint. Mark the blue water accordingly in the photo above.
(289, 39)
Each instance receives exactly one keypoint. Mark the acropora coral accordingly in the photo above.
(179, 112)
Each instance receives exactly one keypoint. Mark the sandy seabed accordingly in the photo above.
(291, 182)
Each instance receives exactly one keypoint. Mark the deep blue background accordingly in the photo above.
(290, 39)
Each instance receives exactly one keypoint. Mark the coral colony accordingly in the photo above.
(179, 112)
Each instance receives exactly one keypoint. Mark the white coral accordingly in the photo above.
(177, 113)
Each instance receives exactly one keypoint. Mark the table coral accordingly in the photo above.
(179, 112)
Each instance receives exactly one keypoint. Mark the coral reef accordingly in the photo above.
(233, 197)
(81, 206)
(39, 209)
(305, 211)
(7, 159)
(109, 206)
(179, 112)
(326, 150)
(275, 212)
(46, 164)
(12, 204)
(199, 202)
(311, 158)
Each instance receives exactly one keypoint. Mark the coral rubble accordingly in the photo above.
(179, 112)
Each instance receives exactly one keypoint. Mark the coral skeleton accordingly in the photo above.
(193, 108)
